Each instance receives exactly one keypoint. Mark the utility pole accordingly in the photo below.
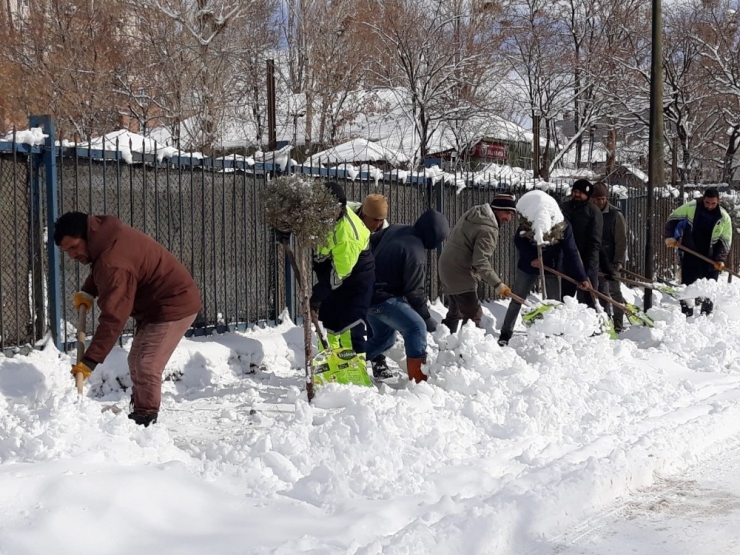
(271, 124)
(655, 161)
(536, 143)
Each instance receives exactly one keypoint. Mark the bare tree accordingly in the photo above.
(437, 56)
(63, 56)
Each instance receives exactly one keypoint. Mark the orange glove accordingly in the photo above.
(719, 266)
(82, 298)
(503, 290)
(81, 368)
(671, 242)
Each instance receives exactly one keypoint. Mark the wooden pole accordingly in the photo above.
(81, 336)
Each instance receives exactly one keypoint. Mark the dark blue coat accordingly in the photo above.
(400, 259)
(562, 256)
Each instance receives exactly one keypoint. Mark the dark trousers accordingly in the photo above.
(464, 306)
(612, 289)
(523, 284)
(569, 289)
(346, 309)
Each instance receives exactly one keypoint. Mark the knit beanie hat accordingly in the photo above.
(375, 206)
(504, 202)
(338, 192)
(585, 186)
(600, 190)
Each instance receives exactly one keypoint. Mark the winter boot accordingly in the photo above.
(619, 323)
(503, 339)
(143, 419)
(686, 309)
(413, 367)
(380, 368)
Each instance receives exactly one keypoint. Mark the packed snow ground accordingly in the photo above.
(503, 451)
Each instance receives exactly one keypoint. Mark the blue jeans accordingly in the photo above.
(394, 315)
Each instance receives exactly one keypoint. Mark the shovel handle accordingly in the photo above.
(593, 292)
(692, 252)
(319, 332)
(81, 336)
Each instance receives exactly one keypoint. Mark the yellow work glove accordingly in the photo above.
(670, 242)
(503, 290)
(719, 266)
(82, 298)
(81, 368)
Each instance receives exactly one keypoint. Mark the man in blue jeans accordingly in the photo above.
(399, 299)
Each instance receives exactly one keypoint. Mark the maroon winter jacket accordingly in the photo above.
(133, 275)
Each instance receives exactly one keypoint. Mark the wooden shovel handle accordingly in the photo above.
(692, 252)
(81, 336)
(593, 292)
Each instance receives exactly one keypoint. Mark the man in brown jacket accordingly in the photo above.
(467, 257)
(132, 275)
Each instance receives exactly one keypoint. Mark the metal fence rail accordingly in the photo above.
(208, 213)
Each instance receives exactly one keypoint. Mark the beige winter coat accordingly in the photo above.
(467, 255)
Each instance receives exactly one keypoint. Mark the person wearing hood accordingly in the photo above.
(132, 276)
(399, 298)
(467, 259)
(588, 223)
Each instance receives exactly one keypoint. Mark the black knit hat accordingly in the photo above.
(504, 202)
(338, 192)
(585, 186)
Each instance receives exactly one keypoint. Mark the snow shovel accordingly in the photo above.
(536, 313)
(705, 259)
(81, 336)
(663, 285)
(666, 289)
(634, 315)
(339, 365)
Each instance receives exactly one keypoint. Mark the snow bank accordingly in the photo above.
(542, 210)
(499, 452)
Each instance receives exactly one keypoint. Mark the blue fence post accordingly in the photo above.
(49, 159)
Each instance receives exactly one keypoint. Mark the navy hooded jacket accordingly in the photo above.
(400, 259)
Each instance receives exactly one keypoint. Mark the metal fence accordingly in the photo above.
(208, 213)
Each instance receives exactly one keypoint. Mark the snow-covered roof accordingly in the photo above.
(358, 150)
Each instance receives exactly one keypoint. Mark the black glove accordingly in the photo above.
(431, 325)
(282, 236)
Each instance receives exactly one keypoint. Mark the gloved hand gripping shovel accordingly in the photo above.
(635, 317)
(705, 259)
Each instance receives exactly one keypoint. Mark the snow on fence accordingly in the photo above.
(208, 213)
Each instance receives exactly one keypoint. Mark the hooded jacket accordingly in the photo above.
(400, 259)
(133, 275)
(468, 253)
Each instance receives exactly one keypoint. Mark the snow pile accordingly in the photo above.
(542, 211)
(34, 136)
(501, 451)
